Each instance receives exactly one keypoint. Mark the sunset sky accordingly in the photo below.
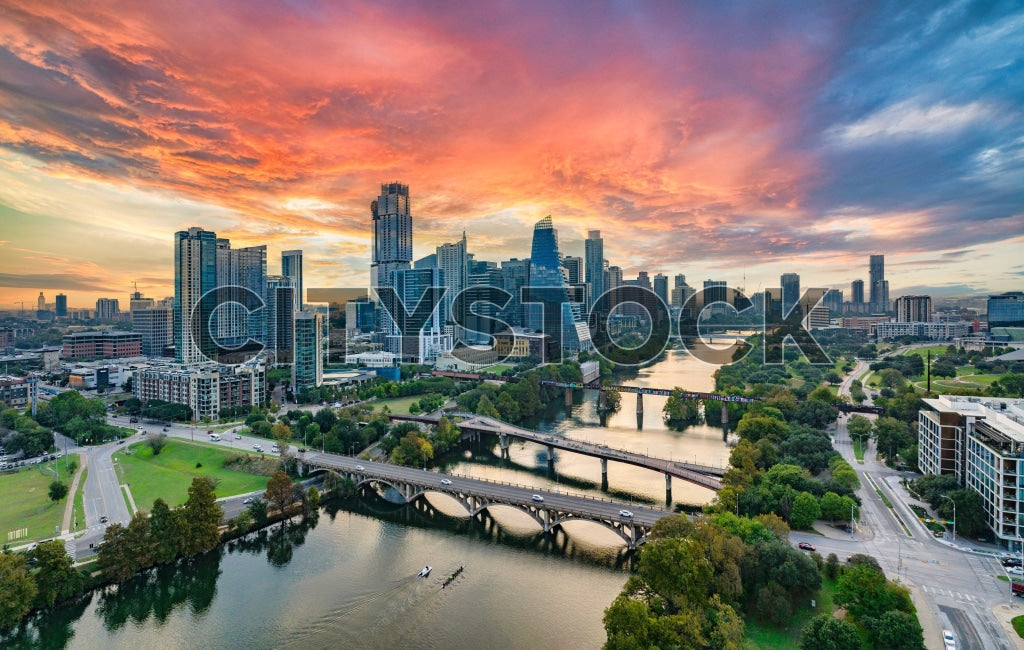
(717, 139)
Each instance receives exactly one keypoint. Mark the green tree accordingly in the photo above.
(202, 515)
(58, 491)
(866, 593)
(896, 629)
(17, 590)
(970, 512)
(282, 434)
(313, 497)
(167, 528)
(755, 427)
(139, 541)
(805, 511)
(157, 443)
(114, 557)
(858, 426)
(258, 510)
(55, 575)
(832, 507)
(773, 604)
(487, 408)
(279, 491)
(824, 632)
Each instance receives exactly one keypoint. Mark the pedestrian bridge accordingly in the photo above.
(707, 476)
(549, 509)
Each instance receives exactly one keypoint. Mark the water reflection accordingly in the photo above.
(49, 629)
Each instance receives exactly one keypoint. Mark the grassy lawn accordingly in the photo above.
(169, 475)
(497, 369)
(858, 449)
(397, 405)
(763, 635)
(1018, 625)
(79, 513)
(26, 502)
(936, 350)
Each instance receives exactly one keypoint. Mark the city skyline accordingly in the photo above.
(805, 143)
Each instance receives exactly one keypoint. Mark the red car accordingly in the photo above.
(804, 546)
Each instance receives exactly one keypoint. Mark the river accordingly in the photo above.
(349, 580)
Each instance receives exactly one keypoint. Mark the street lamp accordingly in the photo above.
(944, 496)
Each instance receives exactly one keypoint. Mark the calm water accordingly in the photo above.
(349, 579)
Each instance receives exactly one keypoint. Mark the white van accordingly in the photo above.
(215, 437)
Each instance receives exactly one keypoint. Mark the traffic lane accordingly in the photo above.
(524, 494)
(967, 636)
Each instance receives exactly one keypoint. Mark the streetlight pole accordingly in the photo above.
(852, 520)
(945, 496)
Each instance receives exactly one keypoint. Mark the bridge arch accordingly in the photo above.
(615, 527)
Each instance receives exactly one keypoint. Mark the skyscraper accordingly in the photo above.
(515, 275)
(566, 323)
(573, 269)
(280, 297)
(41, 302)
(291, 266)
(418, 341)
(857, 292)
(62, 306)
(246, 268)
(878, 286)
(308, 365)
(156, 327)
(392, 233)
(195, 273)
(790, 283)
(661, 287)
(453, 262)
(594, 262)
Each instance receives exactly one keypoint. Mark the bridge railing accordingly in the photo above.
(532, 488)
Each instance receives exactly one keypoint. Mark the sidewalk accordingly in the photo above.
(69, 508)
(862, 532)
(1004, 613)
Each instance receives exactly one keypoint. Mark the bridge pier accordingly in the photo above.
(551, 457)
(639, 403)
(668, 490)
(601, 401)
(604, 471)
(503, 440)
(725, 413)
(568, 397)
(301, 468)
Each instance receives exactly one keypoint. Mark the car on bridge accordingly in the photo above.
(445, 481)
(537, 497)
(360, 468)
(626, 513)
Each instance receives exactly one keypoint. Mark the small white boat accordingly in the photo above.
(425, 572)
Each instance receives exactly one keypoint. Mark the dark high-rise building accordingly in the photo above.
(833, 300)
(790, 283)
(61, 307)
(546, 273)
(108, 309)
(291, 266)
(594, 265)
(574, 269)
(453, 260)
(515, 275)
(156, 326)
(857, 292)
(1006, 310)
(280, 310)
(878, 286)
(392, 233)
(661, 287)
(195, 273)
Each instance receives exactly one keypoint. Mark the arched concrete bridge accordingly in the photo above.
(550, 510)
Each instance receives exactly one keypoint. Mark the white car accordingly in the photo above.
(537, 497)
(1015, 570)
(360, 468)
(247, 500)
(949, 640)
(257, 447)
(626, 513)
(445, 481)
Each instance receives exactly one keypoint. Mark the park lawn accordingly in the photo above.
(497, 369)
(169, 475)
(765, 635)
(936, 350)
(397, 405)
(26, 502)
